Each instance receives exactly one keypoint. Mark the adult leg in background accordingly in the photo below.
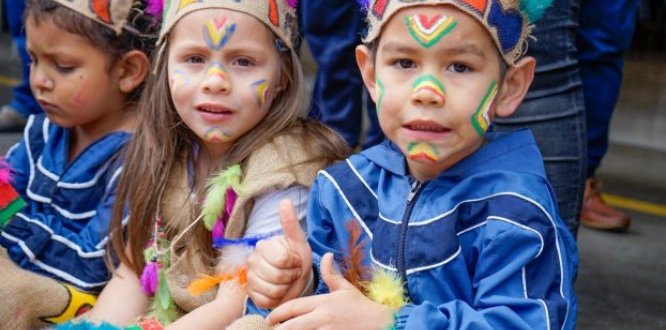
(554, 107)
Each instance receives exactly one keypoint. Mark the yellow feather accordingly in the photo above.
(386, 288)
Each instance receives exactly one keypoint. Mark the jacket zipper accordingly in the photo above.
(400, 264)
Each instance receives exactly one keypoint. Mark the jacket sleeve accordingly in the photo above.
(519, 282)
(42, 243)
(17, 158)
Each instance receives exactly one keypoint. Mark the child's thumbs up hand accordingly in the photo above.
(279, 268)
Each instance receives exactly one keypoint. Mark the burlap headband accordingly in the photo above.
(278, 15)
(111, 13)
(509, 22)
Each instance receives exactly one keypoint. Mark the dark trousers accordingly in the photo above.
(606, 29)
(23, 100)
(333, 29)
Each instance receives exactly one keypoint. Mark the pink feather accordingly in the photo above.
(150, 278)
(218, 229)
(5, 172)
(292, 3)
(155, 8)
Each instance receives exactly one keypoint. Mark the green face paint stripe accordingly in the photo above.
(380, 87)
(478, 120)
(427, 40)
(429, 78)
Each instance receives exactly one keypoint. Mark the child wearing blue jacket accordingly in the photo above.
(457, 225)
(88, 65)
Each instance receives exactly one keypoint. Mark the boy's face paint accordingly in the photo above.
(482, 117)
(70, 79)
(228, 81)
(420, 151)
(217, 32)
(427, 30)
(429, 89)
(380, 97)
(428, 83)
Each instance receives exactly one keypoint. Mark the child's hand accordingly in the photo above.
(279, 268)
(344, 308)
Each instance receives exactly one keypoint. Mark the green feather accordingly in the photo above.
(217, 191)
(163, 308)
(535, 8)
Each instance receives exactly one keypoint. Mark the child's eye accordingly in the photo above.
(405, 64)
(63, 68)
(194, 59)
(243, 61)
(459, 68)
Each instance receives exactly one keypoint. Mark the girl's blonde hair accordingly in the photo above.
(162, 140)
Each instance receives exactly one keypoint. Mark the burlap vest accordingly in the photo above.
(279, 164)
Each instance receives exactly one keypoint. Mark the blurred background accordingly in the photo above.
(621, 282)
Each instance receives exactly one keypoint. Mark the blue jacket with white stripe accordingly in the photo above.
(481, 246)
(63, 230)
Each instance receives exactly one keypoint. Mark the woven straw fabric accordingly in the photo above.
(110, 13)
(278, 15)
(506, 23)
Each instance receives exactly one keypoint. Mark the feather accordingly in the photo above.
(250, 241)
(155, 8)
(85, 325)
(218, 229)
(163, 308)
(232, 257)
(386, 288)
(207, 282)
(353, 268)
(5, 172)
(217, 191)
(292, 3)
(149, 278)
(203, 284)
(534, 9)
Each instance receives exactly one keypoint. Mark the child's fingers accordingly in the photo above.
(274, 253)
(334, 280)
(291, 228)
(291, 309)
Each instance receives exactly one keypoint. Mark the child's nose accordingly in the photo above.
(39, 80)
(428, 96)
(217, 80)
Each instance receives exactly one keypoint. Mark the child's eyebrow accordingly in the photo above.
(394, 47)
(462, 49)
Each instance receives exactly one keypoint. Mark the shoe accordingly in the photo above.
(599, 215)
(11, 121)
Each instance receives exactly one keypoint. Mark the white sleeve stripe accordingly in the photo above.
(351, 208)
(63, 240)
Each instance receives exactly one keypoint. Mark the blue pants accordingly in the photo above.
(606, 28)
(333, 29)
(554, 107)
(23, 100)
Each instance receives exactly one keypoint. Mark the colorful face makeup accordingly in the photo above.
(217, 32)
(178, 79)
(216, 134)
(481, 118)
(380, 97)
(427, 31)
(217, 69)
(430, 83)
(261, 88)
(423, 151)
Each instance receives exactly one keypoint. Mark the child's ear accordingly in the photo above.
(366, 63)
(517, 81)
(131, 70)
